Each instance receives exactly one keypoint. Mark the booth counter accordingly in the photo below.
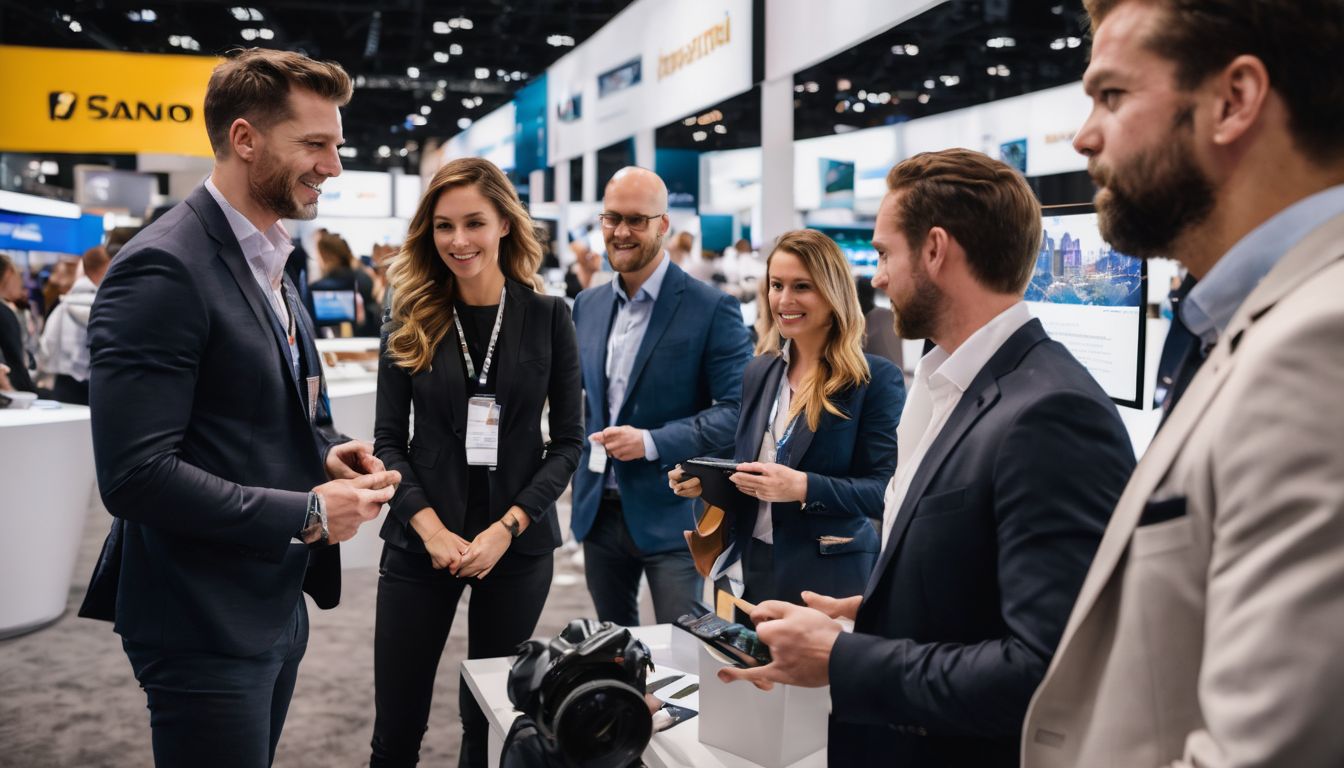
(352, 389)
(47, 477)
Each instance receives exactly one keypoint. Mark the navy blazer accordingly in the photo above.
(537, 360)
(975, 583)
(684, 388)
(204, 447)
(848, 464)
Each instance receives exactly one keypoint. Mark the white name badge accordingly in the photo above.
(482, 431)
(597, 459)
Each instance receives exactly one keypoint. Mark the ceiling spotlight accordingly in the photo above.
(1073, 42)
(265, 33)
(438, 95)
(442, 84)
(478, 101)
(249, 33)
(700, 135)
(455, 49)
(144, 16)
(468, 102)
(442, 28)
(720, 129)
(905, 50)
(384, 151)
(482, 73)
(240, 14)
(949, 80)
(425, 110)
(464, 123)
(560, 41)
(1057, 44)
(843, 84)
(688, 121)
(923, 98)
(798, 88)
(884, 97)
(929, 83)
(460, 22)
(415, 120)
(413, 72)
(859, 106)
(403, 151)
(1001, 42)
(348, 152)
(811, 87)
(441, 57)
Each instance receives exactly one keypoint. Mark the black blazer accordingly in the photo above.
(848, 463)
(204, 447)
(989, 549)
(538, 359)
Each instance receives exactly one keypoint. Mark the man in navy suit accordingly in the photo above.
(1010, 460)
(211, 430)
(662, 357)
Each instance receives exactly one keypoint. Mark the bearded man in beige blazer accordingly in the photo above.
(1210, 629)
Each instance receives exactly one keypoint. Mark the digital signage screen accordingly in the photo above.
(1091, 298)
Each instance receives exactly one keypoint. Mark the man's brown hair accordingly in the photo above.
(254, 84)
(1297, 40)
(982, 203)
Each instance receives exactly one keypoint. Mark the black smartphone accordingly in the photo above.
(740, 645)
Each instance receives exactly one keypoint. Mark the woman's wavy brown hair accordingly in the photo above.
(842, 363)
(422, 285)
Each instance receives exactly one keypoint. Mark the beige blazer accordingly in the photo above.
(1216, 639)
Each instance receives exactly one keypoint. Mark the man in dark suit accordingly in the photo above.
(662, 357)
(1011, 458)
(211, 430)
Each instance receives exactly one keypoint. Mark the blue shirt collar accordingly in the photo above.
(650, 288)
(1215, 298)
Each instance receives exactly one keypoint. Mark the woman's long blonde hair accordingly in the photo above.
(842, 363)
(422, 285)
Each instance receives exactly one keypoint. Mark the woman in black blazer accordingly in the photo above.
(816, 434)
(469, 334)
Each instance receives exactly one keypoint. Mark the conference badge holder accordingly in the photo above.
(482, 431)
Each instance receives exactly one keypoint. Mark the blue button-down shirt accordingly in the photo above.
(1215, 298)
(627, 332)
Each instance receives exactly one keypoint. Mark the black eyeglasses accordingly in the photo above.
(636, 222)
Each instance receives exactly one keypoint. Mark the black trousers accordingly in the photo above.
(210, 710)
(416, 606)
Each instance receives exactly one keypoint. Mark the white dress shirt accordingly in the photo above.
(627, 333)
(940, 380)
(266, 254)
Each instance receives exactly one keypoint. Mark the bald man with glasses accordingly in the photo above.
(662, 357)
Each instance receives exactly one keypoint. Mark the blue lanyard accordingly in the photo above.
(782, 440)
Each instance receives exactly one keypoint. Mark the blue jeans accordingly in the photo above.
(207, 709)
(612, 565)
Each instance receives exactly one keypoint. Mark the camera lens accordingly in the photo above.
(603, 723)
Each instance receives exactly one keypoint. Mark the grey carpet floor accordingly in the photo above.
(68, 698)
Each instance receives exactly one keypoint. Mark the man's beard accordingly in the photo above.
(273, 186)
(646, 254)
(1144, 207)
(918, 317)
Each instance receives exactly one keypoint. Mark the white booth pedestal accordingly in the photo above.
(47, 477)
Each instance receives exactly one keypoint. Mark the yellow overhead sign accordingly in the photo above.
(60, 100)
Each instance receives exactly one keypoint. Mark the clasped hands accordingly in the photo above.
(471, 559)
(760, 480)
(800, 638)
(358, 487)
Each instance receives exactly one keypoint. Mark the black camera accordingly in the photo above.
(584, 692)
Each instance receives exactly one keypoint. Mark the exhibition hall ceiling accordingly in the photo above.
(424, 69)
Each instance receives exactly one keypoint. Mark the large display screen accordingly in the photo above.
(856, 242)
(333, 306)
(1091, 299)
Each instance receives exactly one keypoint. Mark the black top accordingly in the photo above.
(12, 352)
(477, 322)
